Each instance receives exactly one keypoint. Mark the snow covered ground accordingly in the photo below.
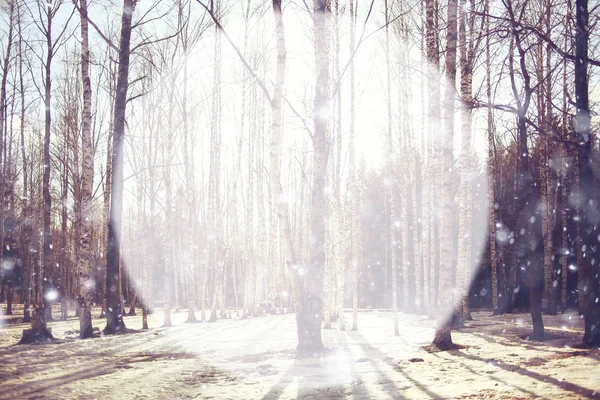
(255, 359)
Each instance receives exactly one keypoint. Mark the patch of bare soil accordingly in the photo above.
(490, 394)
(534, 362)
(435, 349)
(149, 357)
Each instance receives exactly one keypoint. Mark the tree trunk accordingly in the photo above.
(443, 337)
(389, 189)
(86, 288)
(275, 169)
(27, 228)
(352, 175)
(404, 223)
(433, 89)
(417, 200)
(3, 162)
(47, 196)
(328, 278)
(563, 174)
(310, 314)
(589, 270)
(465, 197)
(491, 171)
(214, 173)
(340, 242)
(114, 312)
(167, 154)
(64, 221)
(546, 181)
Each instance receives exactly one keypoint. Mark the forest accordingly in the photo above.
(299, 199)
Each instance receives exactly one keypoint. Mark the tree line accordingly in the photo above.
(180, 156)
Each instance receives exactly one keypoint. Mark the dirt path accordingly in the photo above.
(255, 359)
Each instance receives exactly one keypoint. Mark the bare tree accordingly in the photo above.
(588, 179)
(3, 162)
(114, 312)
(443, 337)
(86, 289)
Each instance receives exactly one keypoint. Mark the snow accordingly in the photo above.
(256, 358)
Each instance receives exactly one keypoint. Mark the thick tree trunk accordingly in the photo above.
(310, 313)
(526, 234)
(106, 200)
(589, 270)
(39, 333)
(114, 312)
(275, 170)
(443, 337)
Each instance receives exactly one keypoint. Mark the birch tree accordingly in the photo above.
(443, 337)
(86, 289)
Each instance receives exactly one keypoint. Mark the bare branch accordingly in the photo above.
(93, 24)
(259, 81)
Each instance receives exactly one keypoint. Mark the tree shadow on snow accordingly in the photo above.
(72, 362)
(488, 375)
(571, 387)
(307, 371)
(378, 357)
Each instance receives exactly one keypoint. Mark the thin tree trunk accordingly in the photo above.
(3, 162)
(389, 189)
(167, 154)
(328, 279)
(546, 181)
(47, 197)
(352, 173)
(86, 289)
(433, 58)
(275, 168)
(465, 202)
(339, 212)
(28, 223)
(64, 221)
(491, 171)
(563, 178)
